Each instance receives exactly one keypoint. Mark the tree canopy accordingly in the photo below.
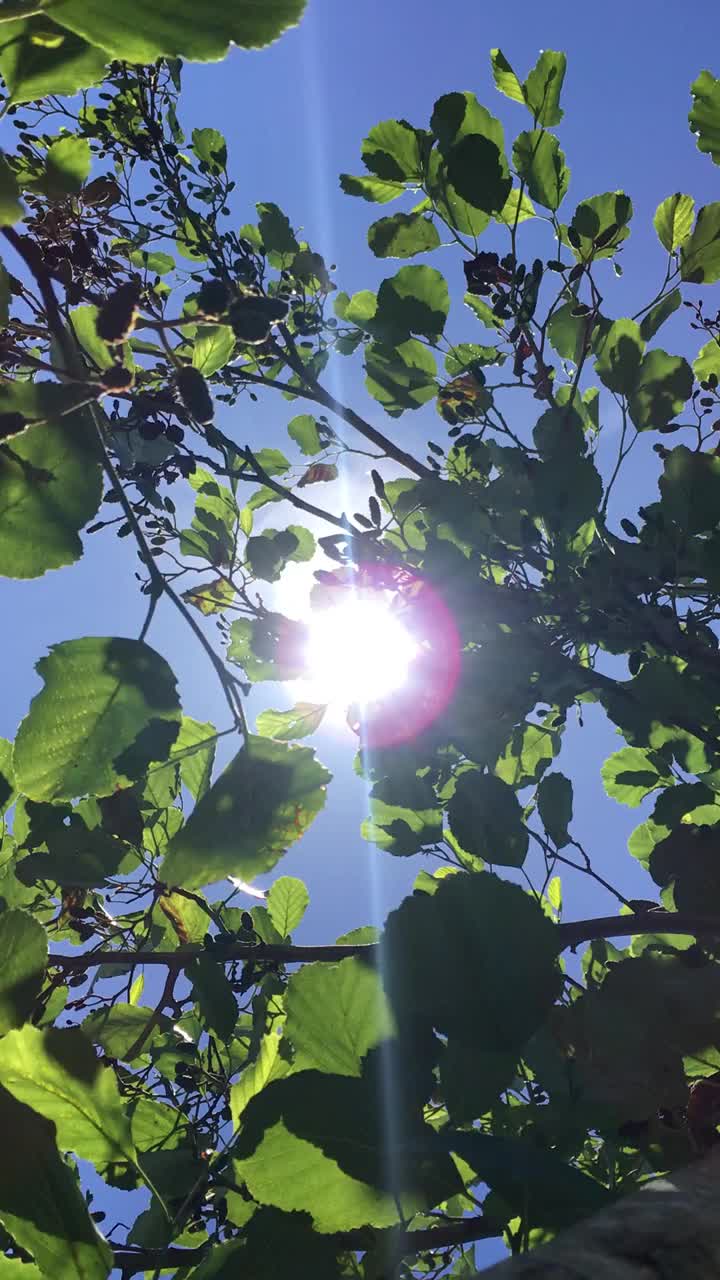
(481, 1067)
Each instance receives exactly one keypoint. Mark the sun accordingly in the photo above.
(358, 651)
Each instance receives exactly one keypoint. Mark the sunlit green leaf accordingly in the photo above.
(213, 348)
(700, 253)
(335, 1014)
(41, 1204)
(10, 208)
(262, 803)
(132, 32)
(705, 114)
(299, 722)
(543, 87)
(287, 902)
(57, 1073)
(673, 220)
(109, 707)
(662, 388)
(540, 162)
(38, 57)
(403, 235)
(629, 775)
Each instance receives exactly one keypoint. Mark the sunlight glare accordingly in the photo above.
(358, 651)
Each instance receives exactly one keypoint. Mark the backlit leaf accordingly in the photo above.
(335, 1014)
(262, 803)
(673, 220)
(133, 32)
(287, 901)
(109, 707)
(57, 1073)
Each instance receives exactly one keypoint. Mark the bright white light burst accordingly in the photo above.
(358, 651)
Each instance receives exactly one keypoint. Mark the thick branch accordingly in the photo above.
(569, 935)
(670, 1228)
(398, 1242)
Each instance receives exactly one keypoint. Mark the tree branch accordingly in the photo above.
(569, 935)
(395, 1240)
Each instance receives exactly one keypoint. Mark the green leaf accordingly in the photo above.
(269, 552)
(690, 488)
(658, 314)
(213, 348)
(210, 146)
(299, 722)
(108, 709)
(261, 804)
(673, 220)
(268, 648)
(538, 1185)
(132, 32)
(530, 750)
(303, 430)
(663, 387)
(153, 261)
(594, 219)
(483, 312)
(287, 902)
(276, 233)
(432, 942)
(7, 776)
(505, 79)
(267, 1066)
(84, 325)
(50, 483)
(473, 1079)
(543, 87)
(567, 496)
(23, 959)
(10, 208)
(375, 190)
(391, 151)
(631, 774)
(67, 165)
(415, 300)
(38, 58)
(705, 114)
(399, 829)
(57, 1073)
(469, 356)
(335, 1014)
(479, 173)
(214, 995)
(620, 353)
(196, 754)
(700, 254)
(403, 235)
(516, 209)
(486, 819)
(117, 1028)
(707, 361)
(555, 806)
(317, 1143)
(41, 1204)
(568, 333)
(401, 377)
(539, 160)
(459, 115)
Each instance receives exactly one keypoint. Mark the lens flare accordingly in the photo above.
(358, 651)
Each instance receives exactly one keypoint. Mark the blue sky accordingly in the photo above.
(294, 116)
